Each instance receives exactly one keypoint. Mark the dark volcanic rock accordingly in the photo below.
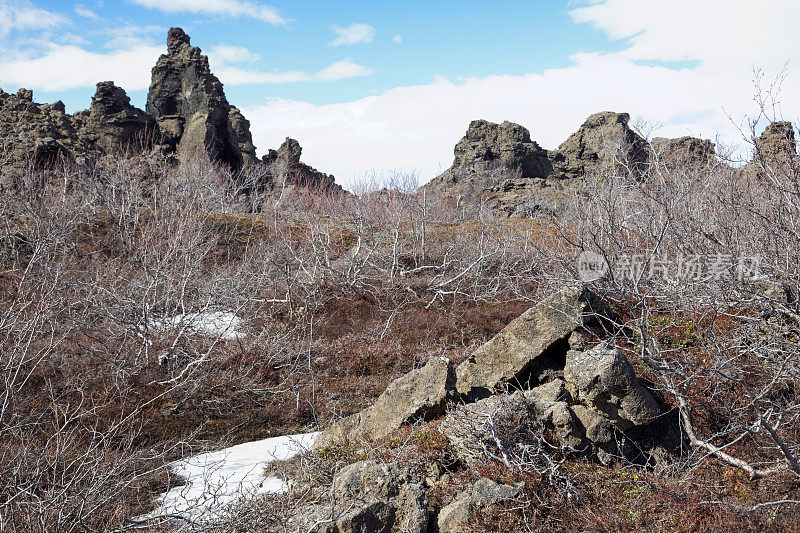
(500, 166)
(492, 157)
(776, 144)
(40, 133)
(602, 140)
(44, 133)
(189, 104)
(112, 124)
(689, 151)
(284, 168)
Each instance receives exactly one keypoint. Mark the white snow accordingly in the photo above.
(220, 478)
(223, 324)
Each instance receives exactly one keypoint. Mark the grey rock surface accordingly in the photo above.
(531, 348)
(419, 395)
(603, 379)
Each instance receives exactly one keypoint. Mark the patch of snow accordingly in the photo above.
(223, 324)
(217, 479)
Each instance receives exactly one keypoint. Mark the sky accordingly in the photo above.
(371, 88)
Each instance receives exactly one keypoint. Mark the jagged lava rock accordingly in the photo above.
(284, 168)
(112, 124)
(189, 104)
(490, 159)
(777, 143)
(601, 138)
(687, 151)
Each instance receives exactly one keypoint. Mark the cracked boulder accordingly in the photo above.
(421, 394)
(532, 347)
(484, 493)
(603, 380)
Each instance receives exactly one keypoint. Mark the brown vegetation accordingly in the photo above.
(341, 294)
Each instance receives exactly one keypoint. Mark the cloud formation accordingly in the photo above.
(22, 16)
(65, 67)
(225, 8)
(340, 70)
(352, 34)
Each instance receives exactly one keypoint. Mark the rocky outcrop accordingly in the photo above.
(112, 125)
(490, 152)
(776, 144)
(187, 117)
(37, 133)
(421, 394)
(492, 162)
(690, 152)
(531, 348)
(44, 133)
(189, 105)
(282, 168)
(498, 165)
(602, 141)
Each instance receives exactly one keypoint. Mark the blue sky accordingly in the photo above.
(371, 87)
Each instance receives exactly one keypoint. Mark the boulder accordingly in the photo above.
(467, 429)
(189, 105)
(602, 379)
(484, 493)
(369, 496)
(532, 347)
(598, 431)
(601, 142)
(421, 394)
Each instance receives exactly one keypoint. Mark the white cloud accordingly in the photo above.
(85, 12)
(352, 34)
(340, 70)
(228, 8)
(397, 38)
(65, 67)
(224, 54)
(22, 16)
(415, 128)
(721, 34)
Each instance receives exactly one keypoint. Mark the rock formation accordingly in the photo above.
(492, 152)
(189, 105)
(536, 370)
(602, 141)
(586, 401)
(187, 116)
(284, 168)
(776, 144)
(38, 132)
(500, 166)
(531, 348)
(685, 151)
(112, 124)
